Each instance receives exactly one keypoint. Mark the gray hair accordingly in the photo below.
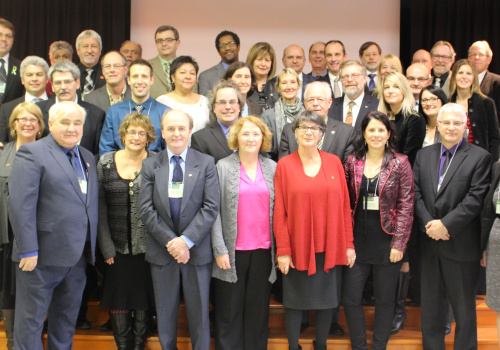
(349, 63)
(444, 43)
(60, 45)
(309, 116)
(324, 85)
(86, 34)
(64, 108)
(171, 111)
(212, 94)
(484, 44)
(124, 60)
(35, 61)
(453, 108)
(63, 67)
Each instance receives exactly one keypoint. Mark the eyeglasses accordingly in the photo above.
(430, 100)
(477, 55)
(60, 82)
(447, 123)
(230, 44)
(441, 57)
(6, 36)
(314, 129)
(133, 133)
(223, 103)
(420, 80)
(320, 100)
(32, 121)
(166, 40)
(354, 76)
(115, 66)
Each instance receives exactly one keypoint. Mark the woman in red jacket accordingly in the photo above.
(313, 229)
(380, 183)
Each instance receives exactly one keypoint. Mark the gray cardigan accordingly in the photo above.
(224, 230)
(7, 155)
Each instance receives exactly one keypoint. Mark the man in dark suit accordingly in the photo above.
(451, 180)
(370, 55)
(418, 77)
(65, 77)
(338, 137)
(54, 183)
(442, 58)
(88, 48)
(114, 67)
(228, 46)
(335, 54)
(480, 53)
(34, 77)
(10, 78)
(317, 60)
(179, 202)
(225, 109)
(356, 103)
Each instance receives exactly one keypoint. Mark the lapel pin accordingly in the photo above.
(88, 165)
(8, 164)
(333, 178)
(333, 132)
(190, 175)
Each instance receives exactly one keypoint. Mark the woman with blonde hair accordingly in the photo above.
(262, 59)
(388, 64)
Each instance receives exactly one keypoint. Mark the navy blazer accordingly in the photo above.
(47, 209)
(199, 206)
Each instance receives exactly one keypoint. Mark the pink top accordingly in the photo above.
(254, 227)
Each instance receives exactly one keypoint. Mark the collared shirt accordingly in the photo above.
(225, 129)
(442, 77)
(6, 63)
(244, 111)
(164, 62)
(29, 97)
(225, 65)
(355, 108)
(325, 72)
(481, 76)
(182, 162)
(452, 151)
(112, 101)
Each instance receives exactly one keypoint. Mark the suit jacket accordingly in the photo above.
(14, 88)
(100, 97)
(209, 77)
(199, 207)
(5, 112)
(44, 188)
(91, 129)
(212, 141)
(160, 85)
(446, 85)
(457, 204)
(254, 108)
(489, 210)
(97, 77)
(338, 140)
(368, 104)
(490, 86)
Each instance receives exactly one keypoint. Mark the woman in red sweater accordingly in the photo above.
(313, 229)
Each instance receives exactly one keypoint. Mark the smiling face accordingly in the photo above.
(452, 128)
(353, 87)
(89, 51)
(371, 58)
(67, 130)
(480, 56)
(27, 126)
(310, 137)
(317, 100)
(376, 135)
(185, 77)
(166, 44)
(317, 57)
(176, 131)
(465, 77)
(294, 58)
(6, 40)
(288, 87)
(136, 138)
(131, 51)
(393, 94)
(113, 69)
(243, 79)
(387, 67)
(334, 56)
(262, 65)
(140, 81)
(226, 106)
(64, 86)
(441, 59)
(418, 78)
(431, 104)
(228, 49)
(249, 138)
(34, 80)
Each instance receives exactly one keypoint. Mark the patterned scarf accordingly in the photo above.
(284, 114)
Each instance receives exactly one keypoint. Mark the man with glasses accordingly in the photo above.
(10, 78)
(88, 48)
(418, 77)
(442, 58)
(114, 67)
(451, 180)
(355, 104)
(65, 77)
(140, 78)
(228, 46)
(167, 42)
(480, 53)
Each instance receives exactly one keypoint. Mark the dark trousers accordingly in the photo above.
(293, 318)
(385, 278)
(53, 290)
(242, 308)
(457, 280)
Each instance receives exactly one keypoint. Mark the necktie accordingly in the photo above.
(336, 89)
(175, 203)
(437, 82)
(371, 84)
(37, 99)
(167, 73)
(348, 117)
(78, 167)
(139, 108)
(89, 83)
(3, 78)
(446, 162)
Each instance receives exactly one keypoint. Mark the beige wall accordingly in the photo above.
(279, 22)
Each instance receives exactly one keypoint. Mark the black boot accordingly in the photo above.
(8, 320)
(122, 329)
(317, 346)
(141, 327)
(400, 312)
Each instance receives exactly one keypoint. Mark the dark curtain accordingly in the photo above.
(38, 23)
(461, 22)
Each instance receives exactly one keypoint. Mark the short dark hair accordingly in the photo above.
(360, 147)
(140, 62)
(367, 45)
(133, 42)
(336, 42)
(233, 67)
(164, 28)
(317, 42)
(435, 91)
(178, 62)
(235, 37)
(309, 116)
(7, 24)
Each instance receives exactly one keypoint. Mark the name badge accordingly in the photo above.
(497, 211)
(83, 185)
(3, 86)
(175, 189)
(372, 202)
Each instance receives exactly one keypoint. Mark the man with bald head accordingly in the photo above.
(131, 51)
(317, 60)
(424, 57)
(418, 76)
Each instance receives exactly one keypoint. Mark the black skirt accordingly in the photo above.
(8, 278)
(127, 284)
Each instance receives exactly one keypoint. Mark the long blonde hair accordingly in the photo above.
(408, 100)
(397, 64)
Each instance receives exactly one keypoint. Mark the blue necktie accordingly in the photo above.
(78, 167)
(371, 84)
(175, 203)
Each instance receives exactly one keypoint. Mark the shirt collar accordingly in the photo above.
(29, 97)
(225, 129)
(76, 99)
(452, 150)
(225, 65)
(357, 101)
(182, 155)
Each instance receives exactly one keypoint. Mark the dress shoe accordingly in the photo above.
(106, 327)
(83, 324)
(336, 329)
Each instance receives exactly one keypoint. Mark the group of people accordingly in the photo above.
(215, 188)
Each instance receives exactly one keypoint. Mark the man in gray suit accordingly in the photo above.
(228, 46)
(114, 67)
(179, 202)
(167, 42)
(54, 184)
(442, 58)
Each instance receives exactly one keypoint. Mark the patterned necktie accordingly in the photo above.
(139, 108)
(89, 83)
(437, 82)
(336, 89)
(175, 203)
(167, 74)
(371, 84)
(348, 117)
(3, 79)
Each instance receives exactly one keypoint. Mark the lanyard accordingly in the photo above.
(130, 108)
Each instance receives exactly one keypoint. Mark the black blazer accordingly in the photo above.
(458, 203)
(411, 134)
(338, 140)
(91, 129)
(5, 112)
(14, 88)
(212, 141)
(490, 86)
(483, 118)
(368, 104)
(489, 209)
